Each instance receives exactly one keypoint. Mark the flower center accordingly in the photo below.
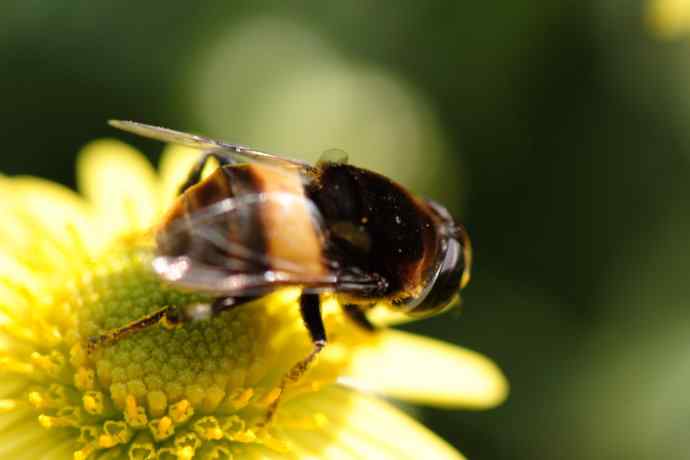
(200, 390)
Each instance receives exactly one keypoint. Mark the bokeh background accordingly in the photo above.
(558, 131)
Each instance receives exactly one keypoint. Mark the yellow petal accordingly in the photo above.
(427, 371)
(356, 426)
(21, 435)
(252, 452)
(382, 315)
(121, 184)
(54, 210)
(15, 279)
(669, 19)
(175, 165)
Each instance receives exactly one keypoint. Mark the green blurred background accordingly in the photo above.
(556, 130)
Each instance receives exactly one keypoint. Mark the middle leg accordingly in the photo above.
(310, 308)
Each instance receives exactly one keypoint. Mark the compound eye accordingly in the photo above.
(464, 238)
(447, 283)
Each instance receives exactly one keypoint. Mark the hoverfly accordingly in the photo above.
(260, 222)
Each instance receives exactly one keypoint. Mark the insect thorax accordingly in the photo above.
(376, 226)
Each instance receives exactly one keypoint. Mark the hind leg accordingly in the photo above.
(169, 317)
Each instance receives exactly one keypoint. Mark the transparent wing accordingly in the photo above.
(187, 273)
(204, 143)
(217, 249)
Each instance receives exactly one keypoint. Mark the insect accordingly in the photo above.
(262, 221)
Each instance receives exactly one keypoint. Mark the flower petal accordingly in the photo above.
(382, 315)
(358, 426)
(175, 165)
(427, 371)
(121, 184)
(55, 211)
(20, 433)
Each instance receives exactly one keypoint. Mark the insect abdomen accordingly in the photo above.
(271, 226)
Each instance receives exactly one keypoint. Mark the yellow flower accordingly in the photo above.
(669, 19)
(71, 267)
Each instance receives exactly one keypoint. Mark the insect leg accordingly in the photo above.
(169, 317)
(357, 315)
(228, 303)
(115, 335)
(195, 174)
(310, 308)
(362, 284)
